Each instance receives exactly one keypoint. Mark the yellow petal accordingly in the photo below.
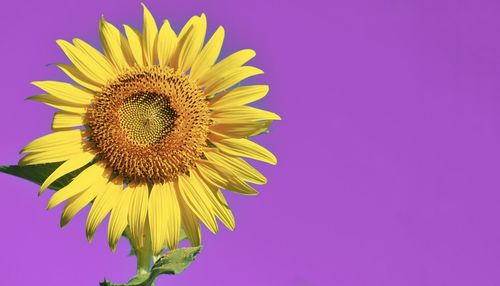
(240, 95)
(157, 217)
(166, 45)
(189, 188)
(64, 120)
(69, 202)
(240, 129)
(51, 100)
(81, 182)
(75, 74)
(231, 62)
(226, 80)
(164, 217)
(208, 55)
(173, 216)
(84, 63)
(112, 42)
(101, 61)
(190, 223)
(118, 220)
(55, 102)
(243, 113)
(190, 45)
(226, 215)
(127, 51)
(208, 192)
(135, 42)
(246, 148)
(66, 92)
(238, 166)
(51, 156)
(213, 136)
(189, 24)
(67, 167)
(181, 41)
(78, 202)
(55, 140)
(105, 201)
(137, 212)
(150, 31)
(219, 176)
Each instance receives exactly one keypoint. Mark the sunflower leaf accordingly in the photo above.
(38, 173)
(173, 262)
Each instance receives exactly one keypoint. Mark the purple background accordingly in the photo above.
(389, 151)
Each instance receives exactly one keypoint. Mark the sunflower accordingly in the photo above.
(157, 127)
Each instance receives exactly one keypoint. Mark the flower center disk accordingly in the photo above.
(149, 124)
(146, 118)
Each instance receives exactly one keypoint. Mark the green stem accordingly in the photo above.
(144, 257)
(145, 253)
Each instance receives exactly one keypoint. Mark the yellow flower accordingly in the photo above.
(158, 130)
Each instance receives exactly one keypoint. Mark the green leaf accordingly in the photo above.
(38, 173)
(174, 262)
(105, 283)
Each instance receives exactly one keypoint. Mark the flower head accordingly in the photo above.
(158, 129)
